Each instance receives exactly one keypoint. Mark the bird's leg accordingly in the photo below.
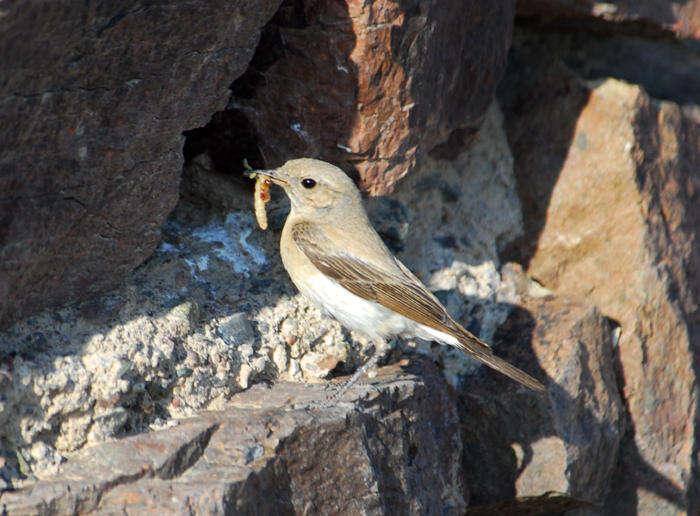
(369, 364)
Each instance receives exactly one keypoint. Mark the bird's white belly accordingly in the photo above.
(353, 312)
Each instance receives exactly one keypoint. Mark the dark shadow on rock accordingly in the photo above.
(633, 472)
(668, 69)
(579, 16)
(274, 481)
(292, 101)
(500, 417)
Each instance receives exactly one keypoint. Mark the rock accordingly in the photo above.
(608, 179)
(520, 443)
(649, 17)
(667, 69)
(371, 87)
(95, 99)
(236, 330)
(392, 446)
(390, 218)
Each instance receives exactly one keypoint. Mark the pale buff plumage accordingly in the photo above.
(338, 261)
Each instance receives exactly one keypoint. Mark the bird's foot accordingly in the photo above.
(337, 391)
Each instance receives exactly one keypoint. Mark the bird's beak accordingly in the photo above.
(274, 175)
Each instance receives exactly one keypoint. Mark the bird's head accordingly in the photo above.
(315, 188)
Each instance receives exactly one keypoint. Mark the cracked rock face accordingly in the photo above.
(259, 454)
(371, 86)
(608, 178)
(94, 100)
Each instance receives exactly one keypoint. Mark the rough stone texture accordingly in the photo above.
(652, 17)
(569, 441)
(213, 312)
(608, 179)
(393, 447)
(371, 86)
(209, 313)
(94, 100)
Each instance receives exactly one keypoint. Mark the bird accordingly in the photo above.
(339, 262)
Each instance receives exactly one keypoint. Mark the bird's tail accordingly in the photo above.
(473, 347)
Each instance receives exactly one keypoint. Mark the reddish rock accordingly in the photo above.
(522, 444)
(647, 16)
(372, 85)
(95, 98)
(609, 187)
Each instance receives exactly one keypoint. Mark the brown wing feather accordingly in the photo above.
(394, 289)
(397, 289)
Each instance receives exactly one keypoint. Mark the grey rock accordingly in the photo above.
(236, 329)
(390, 218)
(377, 451)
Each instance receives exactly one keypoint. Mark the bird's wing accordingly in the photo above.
(391, 286)
(396, 288)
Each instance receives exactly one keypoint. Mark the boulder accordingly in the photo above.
(391, 447)
(518, 443)
(369, 86)
(609, 178)
(95, 99)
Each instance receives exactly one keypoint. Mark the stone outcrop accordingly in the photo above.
(569, 441)
(277, 450)
(370, 86)
(94, 101)
(608, 179)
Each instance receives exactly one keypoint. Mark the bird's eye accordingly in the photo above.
(308, 182)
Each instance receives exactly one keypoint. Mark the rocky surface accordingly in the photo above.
(261, 454)
(370, 86)
(649, 17)
(455, 235)
(569, 442)
(194, 384)
(666, 69)
(94, 101)
(608, 180)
